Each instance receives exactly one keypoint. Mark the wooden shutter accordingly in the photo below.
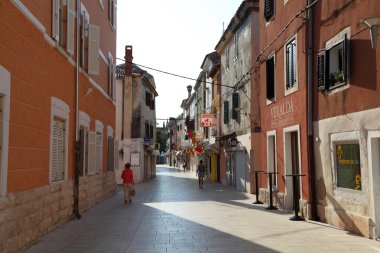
(114, 6)
(70, 37)
(268, 9)
(99, 152)
(270, 78)
(93, 49)
(58, 150)
(114, 81)
(110, 154)
(55, 19)
(226, 111)
(116, 155)
(235, 104)
(110, 75)
(321, 70)
(81, 151)
(91, 153)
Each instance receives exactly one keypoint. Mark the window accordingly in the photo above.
(89, 43)
(268, 9)
(148, 98)
(235, 105)
(112, 9)
(227, 58)
(58, 139)
(63, 13)
(111, 78)
(151, 131)
(58, 150)
(84, 22)
(348, 166)
(270, 78)
(225, 112)
(236, 43)
(291, 64)
(92, 153)
(83, 154)
(333, 65)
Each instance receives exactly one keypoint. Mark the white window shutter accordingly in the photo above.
(116, 154)
(110, 73)
(114, 13)
(58, 151)
(70, 26)
(93, 49)
(91, 153)
(99, 152)
(55, 19)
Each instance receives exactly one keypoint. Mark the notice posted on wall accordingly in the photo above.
(135, 159)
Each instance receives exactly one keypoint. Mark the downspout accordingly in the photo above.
(77, 144)
(122, 112)
(310, 110)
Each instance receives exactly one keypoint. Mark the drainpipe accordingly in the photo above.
(310, 133)
(77, 144)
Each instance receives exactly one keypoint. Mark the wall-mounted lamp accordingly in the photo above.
(373, 23)
(87, 91)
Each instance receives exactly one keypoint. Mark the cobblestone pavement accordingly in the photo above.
(171, 214)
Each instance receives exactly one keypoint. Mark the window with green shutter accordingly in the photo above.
(225, 112)
(235, 104)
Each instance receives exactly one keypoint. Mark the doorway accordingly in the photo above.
(292, 162)
(374, 167)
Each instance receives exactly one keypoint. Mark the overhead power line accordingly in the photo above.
(176, 75)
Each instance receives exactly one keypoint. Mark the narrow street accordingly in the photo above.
(171, 214)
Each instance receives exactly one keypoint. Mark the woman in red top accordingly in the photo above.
(128, 182)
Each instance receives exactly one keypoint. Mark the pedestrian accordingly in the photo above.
(201, 173)
(128, 182)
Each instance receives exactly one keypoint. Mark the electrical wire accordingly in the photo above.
(172, 74)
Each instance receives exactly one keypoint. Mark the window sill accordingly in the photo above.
(291, 90)
(337, 88)
(349, 194)
(270, 101)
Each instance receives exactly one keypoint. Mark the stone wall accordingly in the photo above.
(27, 216)
(94, 189)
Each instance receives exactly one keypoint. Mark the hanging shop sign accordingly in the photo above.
(199, 135)
(207, 120)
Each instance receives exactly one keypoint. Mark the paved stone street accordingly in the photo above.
(171, 214)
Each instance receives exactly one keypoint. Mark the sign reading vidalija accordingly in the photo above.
(282, 114)
(207, 120)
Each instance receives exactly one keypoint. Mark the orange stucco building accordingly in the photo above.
(57, 97)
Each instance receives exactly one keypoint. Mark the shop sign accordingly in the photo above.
(199, 135)
(207, 120)
(282, 114)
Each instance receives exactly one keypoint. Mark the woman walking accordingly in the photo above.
(201, 173)
(128, 182)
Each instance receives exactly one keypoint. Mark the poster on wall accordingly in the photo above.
(135, 159)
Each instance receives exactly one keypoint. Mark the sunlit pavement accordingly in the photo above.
(171, 214)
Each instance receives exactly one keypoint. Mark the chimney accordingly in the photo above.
(189, 90)
(128, 60)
